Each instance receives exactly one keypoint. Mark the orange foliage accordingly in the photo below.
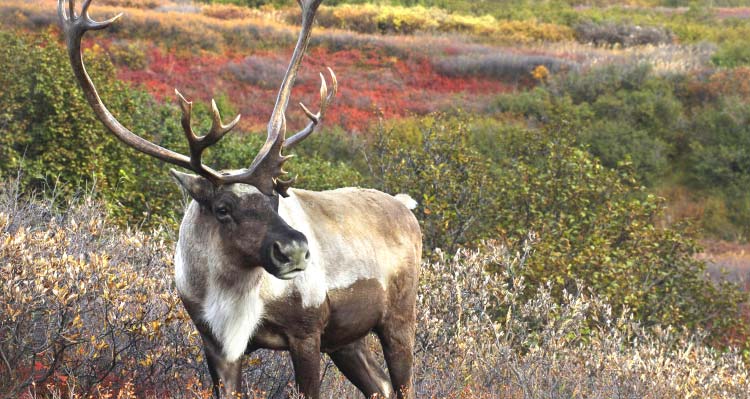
(722, 83)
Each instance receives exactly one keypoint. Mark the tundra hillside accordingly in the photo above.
(566, 160)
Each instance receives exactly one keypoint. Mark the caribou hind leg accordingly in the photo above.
(396, 332)
(359, 365)
(398, 346)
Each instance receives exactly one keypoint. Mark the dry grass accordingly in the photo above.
(91, 310)
(728, 257)
(664, 58)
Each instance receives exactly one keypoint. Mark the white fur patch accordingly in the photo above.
(231, 312)
(233, 306)
(407, 200)
(311, 283)
(180, 276)
(182, 265)
(233, 316)
(354, 257)
(244, 189)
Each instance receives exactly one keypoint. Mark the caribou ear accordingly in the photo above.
(198, 187)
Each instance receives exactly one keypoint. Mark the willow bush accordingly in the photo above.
(595, 224)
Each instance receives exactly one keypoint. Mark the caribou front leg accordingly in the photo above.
(306, 360)
(226, 376)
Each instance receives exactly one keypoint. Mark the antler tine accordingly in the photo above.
(198, 144)
(326, 99)
(85, 7)
(266, 167)
(218, 129)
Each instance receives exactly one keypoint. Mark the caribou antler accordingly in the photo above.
(325, 100)
(266, 168)
(198, 144)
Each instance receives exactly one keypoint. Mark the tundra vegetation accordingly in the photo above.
(567, 159)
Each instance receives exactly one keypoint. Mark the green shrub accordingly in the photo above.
(433, 162)
(615, 141)
(719, 163)
(732, 54)
(587, 86)
(619, 112)
(128, 53)
(595, 224)
(49, 133)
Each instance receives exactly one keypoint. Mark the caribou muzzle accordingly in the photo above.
(287, 257)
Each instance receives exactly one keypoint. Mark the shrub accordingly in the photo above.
(185, 30)
(517, 68)
(624, 35)
(596, 224)
(733, 82)
(88, 309)
(432, 161)
(48, 130)
(129, 54)
(368, 18)
(259, 71)
(732, 54)
(719, 162)
(249, 3)
(70, 276)
(531, 31)
(548, 346)
(615, 141)
(131, 3)
(587, 86)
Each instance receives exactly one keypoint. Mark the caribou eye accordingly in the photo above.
(222, 213)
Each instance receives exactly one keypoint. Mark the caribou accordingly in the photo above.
(259, 264)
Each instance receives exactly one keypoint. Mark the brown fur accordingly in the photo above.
(356, 232)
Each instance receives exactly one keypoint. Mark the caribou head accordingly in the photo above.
(243, 203)
(261, 265)
(247, 225)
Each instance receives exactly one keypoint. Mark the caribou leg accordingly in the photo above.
(359, 365)
(398, 351)
(226, 376)
(305, 355)
(396, 332)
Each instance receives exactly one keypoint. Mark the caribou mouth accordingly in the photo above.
(290, 274)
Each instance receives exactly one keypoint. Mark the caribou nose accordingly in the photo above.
(290, 257)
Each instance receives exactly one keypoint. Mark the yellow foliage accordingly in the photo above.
(79, 298)
(369, 18)
(540, 73)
